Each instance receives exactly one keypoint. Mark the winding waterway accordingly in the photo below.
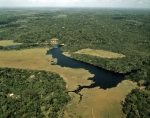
(102, 78)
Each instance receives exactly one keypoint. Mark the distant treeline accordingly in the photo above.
(24, 46)
(124, 31)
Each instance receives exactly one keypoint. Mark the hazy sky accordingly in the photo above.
(76, 3)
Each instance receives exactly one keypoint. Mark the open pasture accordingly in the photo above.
(36, 59)
(8, 43)
(99, 103)
(100, 53)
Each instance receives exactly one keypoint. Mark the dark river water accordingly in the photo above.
(103, 78)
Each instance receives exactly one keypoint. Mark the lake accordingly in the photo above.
(103, 78)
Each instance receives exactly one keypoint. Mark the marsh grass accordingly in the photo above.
(8, 43)
(100, 53)
(99, 103)
(36, 59)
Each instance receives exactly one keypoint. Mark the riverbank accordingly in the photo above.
(36, 59)
(67, 54)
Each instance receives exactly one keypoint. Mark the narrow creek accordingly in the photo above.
(102, 78)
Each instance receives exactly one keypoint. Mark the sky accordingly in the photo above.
(77, 3)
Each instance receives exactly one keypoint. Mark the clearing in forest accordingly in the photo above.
(60, 16)
(100, 53)
(99, 103)
(8, 43)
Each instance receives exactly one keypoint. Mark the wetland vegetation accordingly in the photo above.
(100, 53)
(121, 31)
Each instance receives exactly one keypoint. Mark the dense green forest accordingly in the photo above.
(137, 103)
(124, 31)
(28, 94)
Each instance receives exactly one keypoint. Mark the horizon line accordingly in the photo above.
(74, 7)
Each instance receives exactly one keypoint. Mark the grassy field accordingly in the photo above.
(96, 103)
(36, 59)
(8, 42)
(100, 53)
(60, 16)
(99, 103)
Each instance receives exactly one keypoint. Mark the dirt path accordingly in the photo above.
(91, 108)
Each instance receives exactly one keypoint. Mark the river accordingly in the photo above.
(102, 78)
